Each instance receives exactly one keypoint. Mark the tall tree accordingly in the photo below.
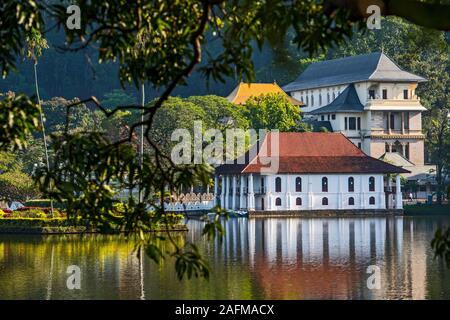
(36, 43)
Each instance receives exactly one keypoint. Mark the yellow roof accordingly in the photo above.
(243, 91)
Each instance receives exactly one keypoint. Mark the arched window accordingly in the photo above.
(298, 201)
(371, 184)
(351, 184)
(278, 184)
(312, 99)
(351, 201)
(324, 184)
(298, 184)
(324, 201)
(278, 202)
(372, 200)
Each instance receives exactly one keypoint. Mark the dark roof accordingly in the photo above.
(308, 152)
(347, 101)
(374, 66)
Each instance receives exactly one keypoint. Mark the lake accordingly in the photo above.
(273, 258)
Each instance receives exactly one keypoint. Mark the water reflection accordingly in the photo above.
(258, 258)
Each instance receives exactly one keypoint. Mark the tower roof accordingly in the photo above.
(347, 101)
(375, 66)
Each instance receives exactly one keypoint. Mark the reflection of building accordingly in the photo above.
(328, 258)
(305, 171)
(246, 90)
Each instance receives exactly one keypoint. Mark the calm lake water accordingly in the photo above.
(291, 258)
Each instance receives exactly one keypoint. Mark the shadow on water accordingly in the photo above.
(276, 258)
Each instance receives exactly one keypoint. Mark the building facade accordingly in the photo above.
(369, 99)
(314, 171)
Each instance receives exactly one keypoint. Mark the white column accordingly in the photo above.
(339, 191)
(382, 196)
(222, 192)
(233, 194)
(251, 195)
(241, 195)
(216, 189)
(269, 188)
(398, 195)
(287, 192)
(227, 189)
(310, 193)
(361, 189)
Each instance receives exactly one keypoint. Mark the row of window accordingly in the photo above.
(384, 94)
(352, 123)
(350, 184)
(298, 201)
(329, 98)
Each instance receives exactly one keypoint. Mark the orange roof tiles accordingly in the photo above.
(243, 91)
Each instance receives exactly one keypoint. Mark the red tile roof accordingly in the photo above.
(309, 152)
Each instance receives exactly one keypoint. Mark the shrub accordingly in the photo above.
(45, 203)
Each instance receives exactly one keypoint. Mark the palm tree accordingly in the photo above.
(36, 43)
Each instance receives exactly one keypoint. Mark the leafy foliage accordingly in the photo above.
(19, 117)
(441, 245)
(273, 111)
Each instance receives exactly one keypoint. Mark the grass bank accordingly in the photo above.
(58, 226)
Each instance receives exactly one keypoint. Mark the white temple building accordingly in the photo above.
(373, 102)
(294, 171)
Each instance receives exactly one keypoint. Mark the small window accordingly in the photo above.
(359, 123)
(322, 117)
(298, 184)
(346, 123)
(333, 117)
(371, 184)
(372, 200)
(384, 93)
(351, 184)
(307, 100)
(351, 201)
(320, 99)
(392, 121)
(359, 145)
(328, 117)
(328, 97)
(371, 94)
(278, 202)
(351, 123)
(324, 184)
(278, 184)
(324, 201)
(405, 94)
(298, 201)
(312, 100)
(386, 147)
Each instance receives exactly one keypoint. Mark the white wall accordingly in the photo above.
(311, 194)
